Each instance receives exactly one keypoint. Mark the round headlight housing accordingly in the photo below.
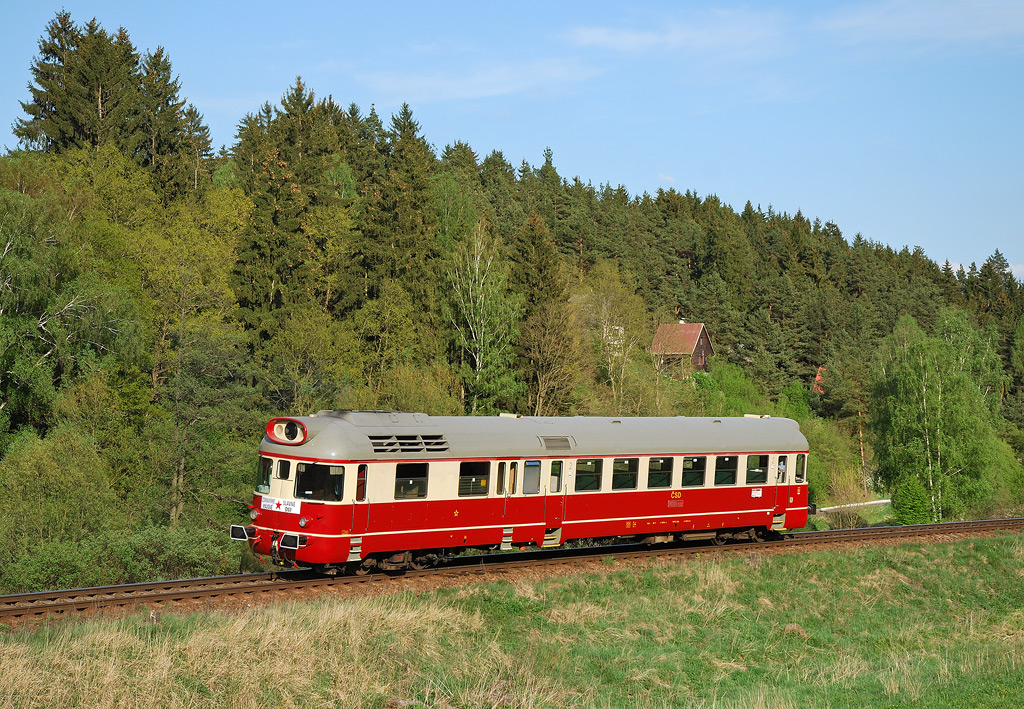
(303, 522)
(253, 513)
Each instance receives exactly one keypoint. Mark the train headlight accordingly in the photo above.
(287, 432)
(303, 522)
(253, 513)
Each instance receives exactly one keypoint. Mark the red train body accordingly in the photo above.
(370, 489)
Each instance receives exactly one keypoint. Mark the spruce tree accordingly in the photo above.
(161, 122)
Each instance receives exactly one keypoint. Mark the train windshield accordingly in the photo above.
(263, 469)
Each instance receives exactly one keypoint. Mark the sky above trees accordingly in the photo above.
(896, 119)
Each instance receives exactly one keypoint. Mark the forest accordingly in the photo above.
(160, 300)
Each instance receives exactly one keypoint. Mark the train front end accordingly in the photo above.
(298, 516)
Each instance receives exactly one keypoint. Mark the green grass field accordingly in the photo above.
(912, 625)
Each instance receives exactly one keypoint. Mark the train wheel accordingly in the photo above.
(424, 561)
(364, 567)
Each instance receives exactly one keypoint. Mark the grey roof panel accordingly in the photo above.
(354, 435)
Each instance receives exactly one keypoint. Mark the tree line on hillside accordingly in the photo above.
(159, 302)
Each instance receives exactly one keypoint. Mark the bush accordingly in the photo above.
(910, 503)
(112, 557)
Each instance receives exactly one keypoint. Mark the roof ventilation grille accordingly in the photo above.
(414, 443)
(556, 443)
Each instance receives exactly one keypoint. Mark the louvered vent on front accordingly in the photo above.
(432, 443)
(556, 443)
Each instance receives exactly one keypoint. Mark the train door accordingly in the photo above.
(361, 503)
(782, 482)
(554, 501)
(554, 504)
(506, 488)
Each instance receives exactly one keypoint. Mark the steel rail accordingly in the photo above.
(83, 600)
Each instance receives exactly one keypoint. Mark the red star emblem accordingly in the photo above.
(277, 505)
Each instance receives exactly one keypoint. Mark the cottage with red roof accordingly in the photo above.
(676, 341)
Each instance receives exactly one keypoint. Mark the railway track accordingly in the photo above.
(281, 583)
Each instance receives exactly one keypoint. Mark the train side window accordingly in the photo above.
(800, 472)
(757, 469)
(588, 475)
(263, 475)
(284, 469)
(513, 472)
(473, 477)
(531, 477)
(410, 481)
(501, 479)
(725, 469)
(693, 470)
(781, 477)
(319, 482)
(659, 473)
(361, 483)
(556, 476)
(625, 472)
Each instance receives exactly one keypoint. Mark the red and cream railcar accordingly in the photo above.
(366, 489)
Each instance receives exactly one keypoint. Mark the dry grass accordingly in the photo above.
(937, 626)
(325, 653)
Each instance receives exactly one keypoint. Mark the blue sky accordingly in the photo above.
(898, 119)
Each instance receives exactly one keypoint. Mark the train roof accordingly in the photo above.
(393, 435)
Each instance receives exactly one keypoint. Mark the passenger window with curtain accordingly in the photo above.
(725, 469)
(501, 478)
(588, 475)
(757, 469)
(659, 473)
(624, 473)
(694, 467)
(319, 482)
(410, 481)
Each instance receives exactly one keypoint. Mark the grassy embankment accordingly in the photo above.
(915, 625)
